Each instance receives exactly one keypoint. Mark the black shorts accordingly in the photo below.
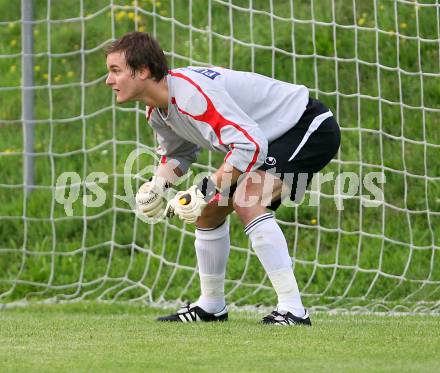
(303, 150)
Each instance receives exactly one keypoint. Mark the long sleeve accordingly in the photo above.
(246, 142)
(219, 121)
(171, 147)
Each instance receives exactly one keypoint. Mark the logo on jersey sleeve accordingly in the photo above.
(211, 74)
(271, 161)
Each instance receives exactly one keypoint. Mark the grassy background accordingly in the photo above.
(367, 67)
(122, 338)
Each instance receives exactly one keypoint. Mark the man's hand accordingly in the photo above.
(188, 205)
(150, 197)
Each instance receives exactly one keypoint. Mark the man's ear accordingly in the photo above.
(144, 73)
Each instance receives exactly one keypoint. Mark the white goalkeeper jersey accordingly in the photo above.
(234, 112)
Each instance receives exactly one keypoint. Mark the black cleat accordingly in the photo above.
(192, 313)
(284, 318)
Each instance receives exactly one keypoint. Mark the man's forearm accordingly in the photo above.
(168, 172)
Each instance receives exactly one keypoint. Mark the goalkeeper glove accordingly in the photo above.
(188, 205)
(150, 197)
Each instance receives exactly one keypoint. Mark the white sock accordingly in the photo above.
(212, 249)
(271, 248)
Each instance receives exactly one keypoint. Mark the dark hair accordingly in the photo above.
(141, 49)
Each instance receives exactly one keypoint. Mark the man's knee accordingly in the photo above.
(254, 194)
(244, 213)
(248, 211)
(213, 215)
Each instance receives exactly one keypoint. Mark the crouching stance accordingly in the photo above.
(274, 136)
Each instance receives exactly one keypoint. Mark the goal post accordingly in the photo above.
(363, 239)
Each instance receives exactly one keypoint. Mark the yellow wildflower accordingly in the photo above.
(313, 221)
(13, 42)
(13, 68)
(361, 21)
(141, 28)
(70, 74)
(36, 32)
(11, 24)
(57, 78)
(120, 15)
(132, 16)
(403, 25)
(37, 68)
(45, 76)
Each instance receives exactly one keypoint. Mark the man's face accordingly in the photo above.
(121, 80)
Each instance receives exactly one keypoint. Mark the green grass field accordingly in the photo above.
(120, 338)
(375, 63)
(365, 67)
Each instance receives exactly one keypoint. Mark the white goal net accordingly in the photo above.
(365, 237)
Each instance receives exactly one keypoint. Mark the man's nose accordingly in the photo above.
(109, 80)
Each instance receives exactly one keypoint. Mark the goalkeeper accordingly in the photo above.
(272, 133)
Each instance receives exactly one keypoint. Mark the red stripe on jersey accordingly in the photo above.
(216, 120)
(150, 110)
(163, 159)
(229, 153)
